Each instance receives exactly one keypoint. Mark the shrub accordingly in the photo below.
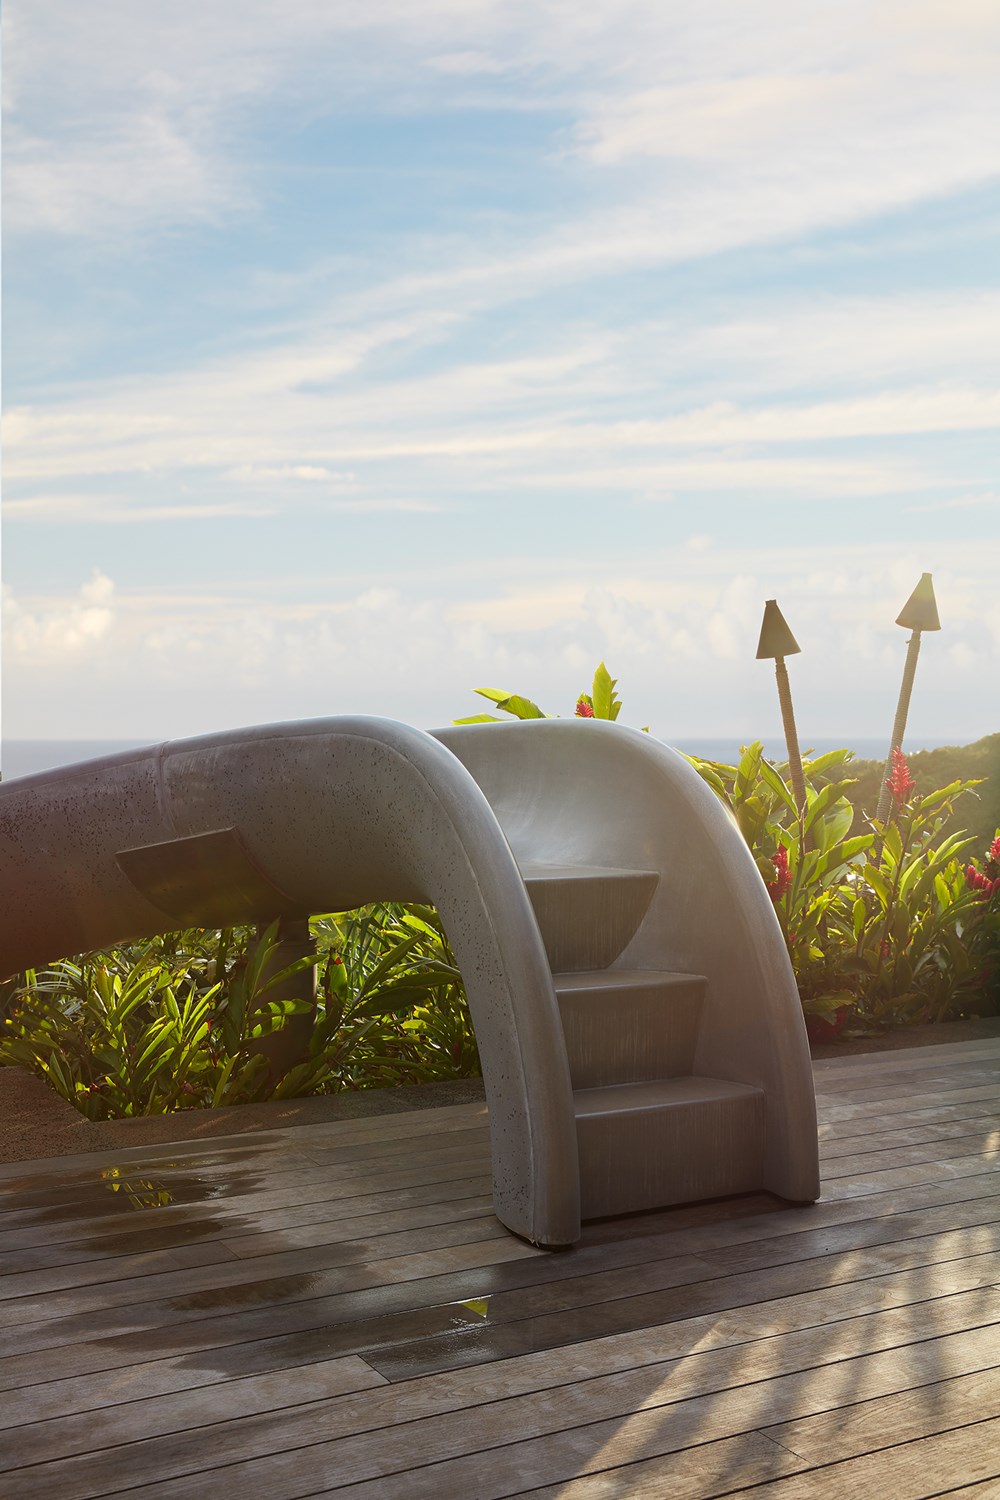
(883, 922)
(182, 1021)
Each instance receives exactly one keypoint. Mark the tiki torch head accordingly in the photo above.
(776, 640)
(920, 610)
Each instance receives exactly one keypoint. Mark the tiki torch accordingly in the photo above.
(918, 613)
(777, 642)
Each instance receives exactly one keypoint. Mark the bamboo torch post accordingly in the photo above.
(918, 614)
(776, 642)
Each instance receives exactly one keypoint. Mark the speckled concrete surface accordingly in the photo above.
(35, 1123)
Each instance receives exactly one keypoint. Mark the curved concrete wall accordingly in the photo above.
(590, 792)
(331, 813)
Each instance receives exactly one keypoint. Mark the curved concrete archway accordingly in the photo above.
(638, 1022)
(328, 814)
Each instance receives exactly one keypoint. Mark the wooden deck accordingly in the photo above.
(334, 1309)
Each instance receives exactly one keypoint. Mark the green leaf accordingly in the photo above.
(495, 695)
(834, 825)
(478, 719)
(820, 764)
(748, 769)
(522, 708)
(859, 916)
(512, 703)
(779, 786)
(817, 803)
(605, 704)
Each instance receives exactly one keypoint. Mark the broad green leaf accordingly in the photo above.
(779, 786)
(605, 703)
(513, 703)
(522, 708)
(495, 695)
(818, 765)
(817, 803)
(831, 828)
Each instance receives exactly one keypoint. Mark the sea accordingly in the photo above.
(24, 757)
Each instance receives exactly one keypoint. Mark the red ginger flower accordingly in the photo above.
(899, 781)
(777, 887)
(583, 709)
(987, 880)
(977, 881)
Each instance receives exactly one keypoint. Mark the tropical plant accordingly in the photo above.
(184, 1021)
(601, 702)
(875, 923)
(880, 921)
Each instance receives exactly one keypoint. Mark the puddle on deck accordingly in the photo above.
(364, 1337)
(117, 1190)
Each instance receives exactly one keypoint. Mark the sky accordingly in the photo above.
(358, 355)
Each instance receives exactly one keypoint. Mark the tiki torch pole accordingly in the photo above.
(919, 613)
(777, 642)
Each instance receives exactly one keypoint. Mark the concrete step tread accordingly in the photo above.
(533, 873)
(659, 1093)
(623, 979)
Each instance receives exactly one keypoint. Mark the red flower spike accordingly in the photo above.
(777, 887)
(899, 781)
(977, 881)
(583, 709)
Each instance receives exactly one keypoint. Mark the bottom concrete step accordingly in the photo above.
(647, 1145)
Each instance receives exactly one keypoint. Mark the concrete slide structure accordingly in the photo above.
(638, 1023)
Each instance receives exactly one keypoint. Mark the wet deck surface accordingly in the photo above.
(334, 1308)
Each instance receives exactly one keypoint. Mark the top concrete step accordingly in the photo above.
(587, 914)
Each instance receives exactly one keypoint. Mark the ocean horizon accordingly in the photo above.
(25, 757)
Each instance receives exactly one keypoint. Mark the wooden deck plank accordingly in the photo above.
(901, 1102)
(57, 1291)
(551, 1437)
(46, 1393)
(987, 1123)
(831, 1071)
(41, 1442)
(928, 1467)
(506, 1340)
(338, 1183)
(221, 1169)
(859, 1184)
(334, 1307)
(983, 1143)
(299, 1309)
(858, 1124)
(224, 1240)
(696, 1372)
(936, 1090)
(863, 1426)
(748, 1248)
(197, 1218)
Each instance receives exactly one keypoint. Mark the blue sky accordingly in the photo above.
(356, 357)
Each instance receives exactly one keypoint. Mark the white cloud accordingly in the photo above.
(679, 630)
(120, 115)
(51, 633)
